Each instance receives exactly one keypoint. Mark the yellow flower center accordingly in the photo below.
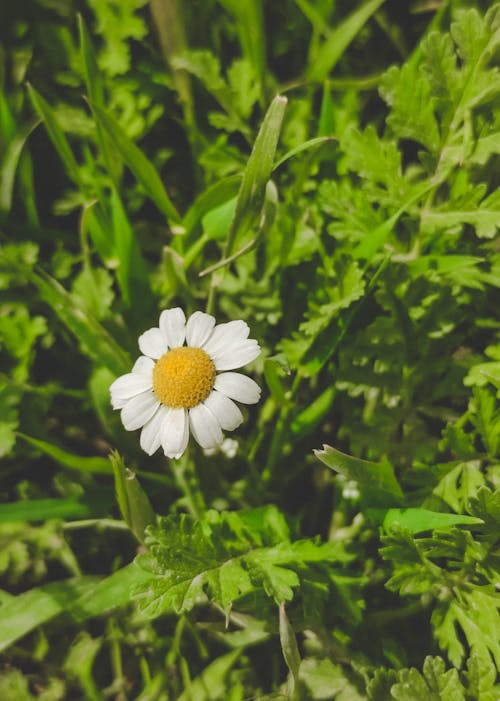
(183, 377)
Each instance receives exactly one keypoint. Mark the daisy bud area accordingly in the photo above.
(249, 350)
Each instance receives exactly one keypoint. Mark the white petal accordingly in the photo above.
(205, 427)
(225, 410)
(237, 386)
(118, 402)
(139, 410)
(198, 329)
(173, 326)
(225, 334)
(153, 344)
(237, 355)
(143, 365)
(150, 434)
(175, 432)
(130, 385)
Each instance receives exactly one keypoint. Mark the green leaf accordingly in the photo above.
(376, 480)
(56, 135)
(339, 39)
(484, 217)
(93, 338)
(95, 465)
(212, 683)
(257, 173)
(435, 684)
(476, 615)
(25, 612)
(225, 556)
(141, 167)
(307, 420)
(134, 504)
(44, 509)
(81, 598)
(420, 520)
(289, 647)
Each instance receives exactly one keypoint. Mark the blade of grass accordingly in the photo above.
(43, 509)
(95, 465)
(257, 173)
(331, 51)
(95, 341)
(95, 91)
(81, 598)
(143, 170)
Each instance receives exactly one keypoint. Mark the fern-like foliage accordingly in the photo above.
(225, 556)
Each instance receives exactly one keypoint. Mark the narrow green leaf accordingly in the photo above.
(376, 480)
(95, 91)
(95, 341)
(338, 41)
(56, 135)
(305, 422)
(144, 171)
(419, 520)
(74, 462)
(289, 647)
(134, 504)
(257, 173)
(43, 509)
(305, 146)
(9, 164)
(132, 273)
(326, 123)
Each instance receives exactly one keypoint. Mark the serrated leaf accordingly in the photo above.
(476, 614)
(435, 684)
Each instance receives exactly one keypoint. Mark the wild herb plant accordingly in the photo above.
(329, 176)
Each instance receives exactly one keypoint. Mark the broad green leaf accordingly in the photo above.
(210, 199)
(74, 462)
(25, 612)
(339, 39)
(144, 171)
(376, 480)
(134, 504)
(108, 593)
(81, 598)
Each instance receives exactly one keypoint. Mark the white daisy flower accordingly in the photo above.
(174, 388)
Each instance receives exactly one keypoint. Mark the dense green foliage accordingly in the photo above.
(327, 172)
